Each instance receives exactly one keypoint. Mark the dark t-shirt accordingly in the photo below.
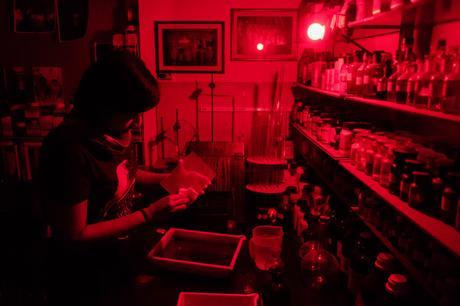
(74, 169)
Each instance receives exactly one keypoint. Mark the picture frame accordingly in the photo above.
(263, 34)
(32, 16)
(189, 46)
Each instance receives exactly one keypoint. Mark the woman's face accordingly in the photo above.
(121, 123)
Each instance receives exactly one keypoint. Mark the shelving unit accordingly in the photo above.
(385, 104)
(388, 19)
(320, 91)
(447, 235)
(442, 232)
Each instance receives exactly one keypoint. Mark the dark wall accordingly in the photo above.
(25, 49)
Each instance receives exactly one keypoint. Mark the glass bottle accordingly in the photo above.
(360, 74)
(352, 70)
(343, 74)
(398, 70)
(401, 82)
(400, 155)
(415, 83)
(385, 165)
(382, 83)
(451, 90)
(450, 198)
(419, 190)
(372, 74)
(410, 165)
(435, 85)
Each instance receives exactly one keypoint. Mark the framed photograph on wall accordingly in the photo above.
(189, 47)
(33, 16)
(263, 34)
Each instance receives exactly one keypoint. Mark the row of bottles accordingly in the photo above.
(336, 249)
(431, 82)
(426, 179)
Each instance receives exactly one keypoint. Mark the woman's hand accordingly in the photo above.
(199, 181)
(171, 204)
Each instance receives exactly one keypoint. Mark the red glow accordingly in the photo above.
(316, 31)
(260, 46)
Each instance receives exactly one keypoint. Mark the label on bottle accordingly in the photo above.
(390, 85)
(366, 79)
(349, 76)
(359, 81)
(381, 86)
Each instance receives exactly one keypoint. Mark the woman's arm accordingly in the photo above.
(70, 222)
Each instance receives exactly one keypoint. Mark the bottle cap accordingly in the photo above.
(396, 284)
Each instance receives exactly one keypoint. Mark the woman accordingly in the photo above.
(87, 178)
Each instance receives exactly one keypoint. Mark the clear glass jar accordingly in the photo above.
(345, 139)
(385, 164)
(325, 131)
(380, 151)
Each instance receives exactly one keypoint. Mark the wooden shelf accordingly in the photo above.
(447, 235)
(404, 108)
(388, 19)
(385, 104)
(442, 232)
(320, 91)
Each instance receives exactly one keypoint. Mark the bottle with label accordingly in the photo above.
(435, 84)
(359, 85)
(451, 90)
(401, 82)
(414, 83)
(343, 74)
(450, 197)
(382, 83)
(419, 190)
(376, 72)
(398, 70)
(410, 165)
(367, 78)
(400, 156)
(352, 70)
(419, 93)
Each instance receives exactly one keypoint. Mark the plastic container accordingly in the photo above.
(198, 252)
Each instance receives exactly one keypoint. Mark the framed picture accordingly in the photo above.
(189, 47)
(263, 34)
(33, 16)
